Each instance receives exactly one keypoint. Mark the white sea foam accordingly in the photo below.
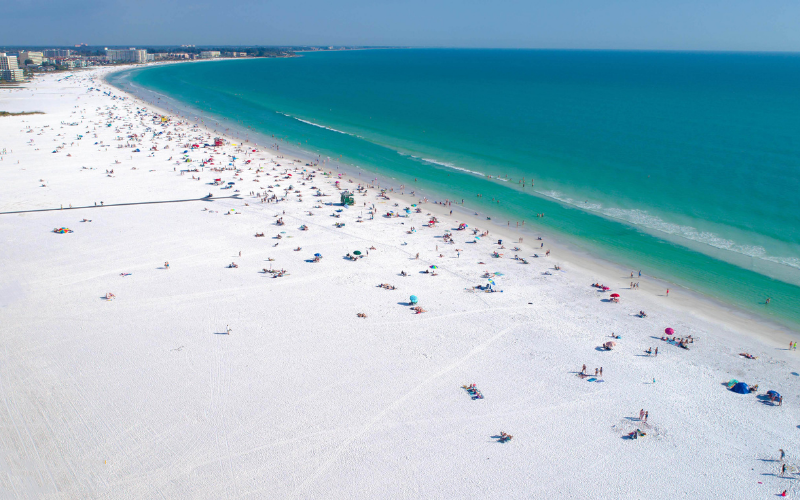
(443, 164)
(320, 126)
(644, 219)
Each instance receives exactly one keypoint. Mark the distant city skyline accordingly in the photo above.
(725, 25)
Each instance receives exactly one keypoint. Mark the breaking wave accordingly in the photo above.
(644, 219)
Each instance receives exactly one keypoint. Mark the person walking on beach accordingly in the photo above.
(595, 372)
(783, 469)
(601, 371)
(783, 454)
(646, 414)
(583, 370)
(641, 414)
(667, 292)
(228, 329)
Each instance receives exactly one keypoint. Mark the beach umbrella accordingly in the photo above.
(413, 299)
(491, 281)
(669, 331)
(357, 252)
(615, 295)
(317, 255)
(434, 267)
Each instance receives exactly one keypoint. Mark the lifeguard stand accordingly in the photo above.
(347, 198)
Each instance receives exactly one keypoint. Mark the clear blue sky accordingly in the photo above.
(761, 25)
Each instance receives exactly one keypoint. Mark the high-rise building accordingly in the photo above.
(127, 55)
(9, 69)
(54, 53)
(33, 57)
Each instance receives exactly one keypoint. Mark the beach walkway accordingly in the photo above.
(207, 198)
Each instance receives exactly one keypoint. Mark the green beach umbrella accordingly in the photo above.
(357, 252)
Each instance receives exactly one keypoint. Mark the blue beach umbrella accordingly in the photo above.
(413, 299)
(317, 255)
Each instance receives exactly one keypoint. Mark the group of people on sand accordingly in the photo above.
(361, 315)
(680, 342)
(504, 437)
(598, 372)
(419, 309)
(387, 286)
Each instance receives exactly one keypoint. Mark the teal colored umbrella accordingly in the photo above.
(413, 299)
(357, 252)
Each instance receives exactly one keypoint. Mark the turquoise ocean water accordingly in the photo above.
(684, 165)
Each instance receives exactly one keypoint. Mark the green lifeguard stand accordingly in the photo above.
(347, 198)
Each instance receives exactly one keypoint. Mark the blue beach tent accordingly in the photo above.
(740, 388)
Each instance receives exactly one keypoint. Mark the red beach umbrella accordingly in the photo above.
(615, 295)
(669, 331)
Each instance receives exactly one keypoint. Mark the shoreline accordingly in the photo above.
(589, 264)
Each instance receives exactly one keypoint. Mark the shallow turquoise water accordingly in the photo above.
(686, 165)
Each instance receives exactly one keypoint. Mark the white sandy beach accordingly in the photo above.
(147, 396)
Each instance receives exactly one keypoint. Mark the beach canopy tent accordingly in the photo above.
(740, 388)
(773, 394)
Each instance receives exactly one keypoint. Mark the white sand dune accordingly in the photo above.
(146, 396)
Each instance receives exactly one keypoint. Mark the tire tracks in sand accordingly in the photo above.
(335, 454)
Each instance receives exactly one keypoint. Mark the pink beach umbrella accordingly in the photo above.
(669, 331)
